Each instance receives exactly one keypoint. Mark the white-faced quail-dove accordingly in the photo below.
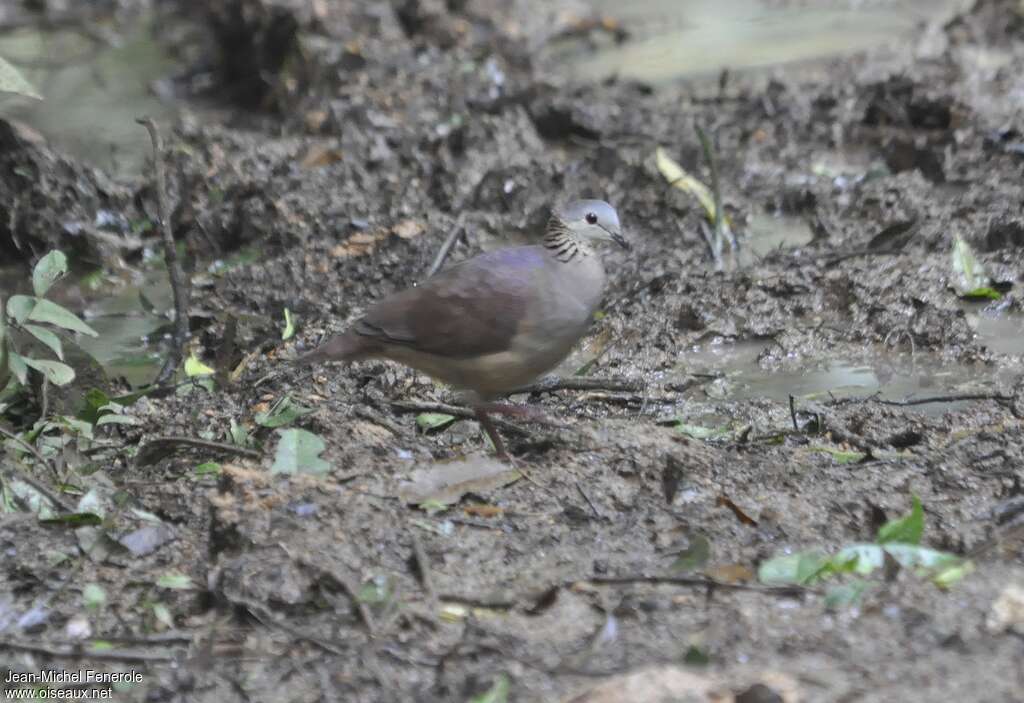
(495, 322)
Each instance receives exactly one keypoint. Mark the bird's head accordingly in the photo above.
(591, 221)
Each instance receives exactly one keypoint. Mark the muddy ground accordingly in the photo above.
(353, 137)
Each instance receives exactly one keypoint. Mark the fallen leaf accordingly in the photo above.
(1007, 611)
(726, 502)
(446, 483)
(320, 155)
(483, 510)
(731, 573)
(408, 229)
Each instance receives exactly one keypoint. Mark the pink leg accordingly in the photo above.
(492, 432)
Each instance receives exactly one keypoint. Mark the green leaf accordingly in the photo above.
(19, 307)
(74, 520)
(283, 413)
(840, 456)
(799, 568)
(194, 367)
(968, 273)
(907, 529)
(117, 419)
(46, 337)
(56, 372)
(432, 506)
(949, 576)
(985, 293)
(433, 421)
(239, 435)
(162, 614)
(859, 559)
(376, 591)
(299, 452)
(912, 556)
(11, 81)
(845, 595)
(93, 596)
(289, 326)
(175, 581)
(16, 363)
(696, 656)
(47, 311)
(49, 269)
(209, 468)
(694, 556)
(497, 693)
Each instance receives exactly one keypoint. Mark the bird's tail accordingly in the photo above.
(341, 347)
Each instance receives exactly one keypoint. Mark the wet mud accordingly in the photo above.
(355, 136)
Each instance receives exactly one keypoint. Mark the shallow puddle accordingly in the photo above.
(766, 233)
(670, 39)
(890, 375)
(94, 89)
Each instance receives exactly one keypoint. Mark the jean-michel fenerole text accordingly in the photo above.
(87, 676)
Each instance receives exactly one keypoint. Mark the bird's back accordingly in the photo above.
(491, 323)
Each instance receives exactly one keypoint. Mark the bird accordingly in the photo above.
(495, 322)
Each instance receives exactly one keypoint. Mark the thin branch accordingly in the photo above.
(197, 443)
(876, 398)
(581, 383)
(76, 650)
(697, 581)
(457, 229)
(174, 269)
(40, 458)
(423, 566)
(597, 513)
(943, 399)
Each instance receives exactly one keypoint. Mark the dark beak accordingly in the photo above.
(620, 240)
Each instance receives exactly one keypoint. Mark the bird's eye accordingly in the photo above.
(591, 218)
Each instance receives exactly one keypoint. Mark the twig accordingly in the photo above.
(697, 581)
(583, 493)
(581, 383)
(442, 253)
(423, 566)
(174, 269)
(792, 412)
(34, 452)
(44, 401)
(77, 650)
(194, 442)
(943, 399)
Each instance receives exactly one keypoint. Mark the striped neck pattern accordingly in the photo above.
(564, 247)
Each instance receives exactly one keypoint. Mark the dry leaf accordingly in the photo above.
(319, 155)
(408, 229)
(483, 510)
(446, 483)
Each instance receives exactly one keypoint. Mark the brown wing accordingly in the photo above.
(468, 310)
